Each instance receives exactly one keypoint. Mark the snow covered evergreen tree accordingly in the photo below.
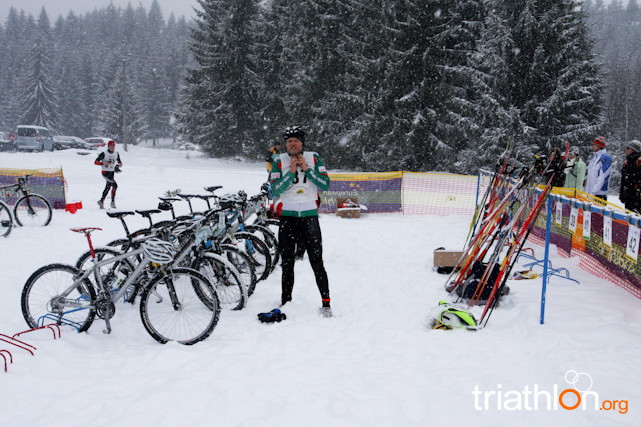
(120, 116)
(425, 116)
(224, 90)
(554, 78)
(40, 102)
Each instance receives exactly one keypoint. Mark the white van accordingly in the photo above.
(33, 138)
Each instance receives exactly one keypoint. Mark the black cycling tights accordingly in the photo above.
(111, 184)
(304, 231)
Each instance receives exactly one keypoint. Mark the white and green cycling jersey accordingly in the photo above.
(298, 191)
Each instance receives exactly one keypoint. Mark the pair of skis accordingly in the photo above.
(499, 230)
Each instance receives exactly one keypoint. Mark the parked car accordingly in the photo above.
(64, 142)
(98, 141)
(6, 144)
(33, 138)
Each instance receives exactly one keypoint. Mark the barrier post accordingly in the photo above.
(546, 258)
(478, 188)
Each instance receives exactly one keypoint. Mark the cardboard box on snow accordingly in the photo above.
(353, 211)
(445, 258)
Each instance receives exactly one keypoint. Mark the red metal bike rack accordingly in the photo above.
(21, 344)
(5, 358)
(55, 329)
(52, 327)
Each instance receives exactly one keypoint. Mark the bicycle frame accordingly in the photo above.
(61, 302)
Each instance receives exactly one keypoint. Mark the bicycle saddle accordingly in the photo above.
(119, 214)
(214, 188)
(148, 213)
(169, 199)
(185, 196)
(86, 230)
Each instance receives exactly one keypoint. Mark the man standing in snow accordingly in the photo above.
(296, 178)
(630, 193)
(599, 170)
(574, 170)
(110, 162)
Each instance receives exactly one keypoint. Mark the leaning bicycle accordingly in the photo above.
(30, 209)
(177, 304)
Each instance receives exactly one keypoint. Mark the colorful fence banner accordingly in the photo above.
(438, 193)
(412, 193)
(49, 183)
(379, 192)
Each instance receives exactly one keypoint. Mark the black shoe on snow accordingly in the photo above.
(273, 316)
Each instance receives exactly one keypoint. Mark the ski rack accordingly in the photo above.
(552, 271)
(12, 340)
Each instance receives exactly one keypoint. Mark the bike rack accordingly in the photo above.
(21, 344)
(541, 262)
(56, 319)
(5, 358)
(55, 329)
(52, 327)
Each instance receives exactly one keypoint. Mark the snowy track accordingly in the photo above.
(374, 363)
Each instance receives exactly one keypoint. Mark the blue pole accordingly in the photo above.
(546, 258)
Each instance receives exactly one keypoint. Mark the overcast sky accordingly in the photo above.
(62, 7)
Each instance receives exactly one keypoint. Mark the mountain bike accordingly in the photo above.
(178, 304)
(229, 271)
(30, 208)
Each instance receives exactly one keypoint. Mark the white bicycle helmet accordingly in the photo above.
(159, 251)
(230, 199)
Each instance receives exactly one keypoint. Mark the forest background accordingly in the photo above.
(378, 85)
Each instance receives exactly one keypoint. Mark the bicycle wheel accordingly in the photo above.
(172, 310)
(6, 222)
(47, 297)
(257, 250)
(266, 235)
(243, 264)
(231, 291)
(32, 210)
(107, 272)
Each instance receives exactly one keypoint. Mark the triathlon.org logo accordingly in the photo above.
(579, 396)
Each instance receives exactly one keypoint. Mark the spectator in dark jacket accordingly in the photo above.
(630, 193)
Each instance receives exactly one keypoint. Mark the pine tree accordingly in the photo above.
(14, 69)
(555, 81)
(40, 102)
(498, 122)
(121, 117)
(224, 88)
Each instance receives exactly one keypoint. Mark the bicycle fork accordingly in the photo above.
(171, 289)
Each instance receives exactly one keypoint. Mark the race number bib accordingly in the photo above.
(559, 213)
(587, 224)
(574, 217)
(632, 249)
(607, 230)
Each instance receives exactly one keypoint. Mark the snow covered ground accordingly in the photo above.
(374, 364)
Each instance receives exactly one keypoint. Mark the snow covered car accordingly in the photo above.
(33, 138)
(62, 142)
(98, 141)
(6, 144)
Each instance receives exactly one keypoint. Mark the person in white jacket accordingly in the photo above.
(599, 170)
